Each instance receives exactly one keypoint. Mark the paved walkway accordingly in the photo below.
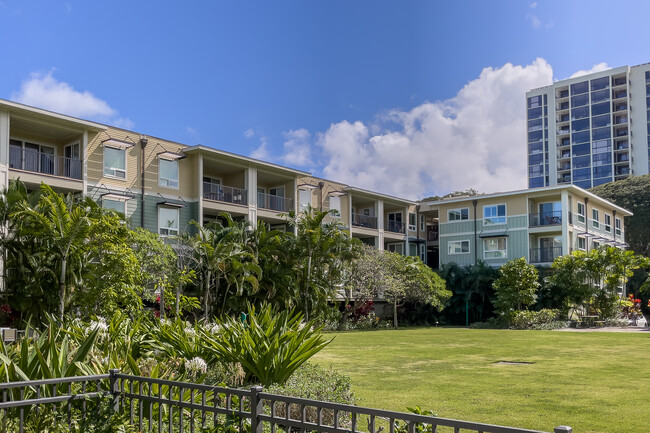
(609, 329)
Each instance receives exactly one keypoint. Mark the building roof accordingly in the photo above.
(372, 194)
(39, 113)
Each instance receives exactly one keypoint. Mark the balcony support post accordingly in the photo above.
(564, 200)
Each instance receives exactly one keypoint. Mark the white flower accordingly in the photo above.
(100, 324)
(196, 365)
(215, 328)
(190, 331)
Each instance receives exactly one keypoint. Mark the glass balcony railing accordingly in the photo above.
(395, 226)
(274, 202)
(228, 194)
(545, 219)
(544, 255)
(44, 163)
(366, 221)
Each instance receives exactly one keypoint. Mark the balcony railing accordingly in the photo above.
(544, 255)
(228, 194)
(45, 163)
(364, 221)
(545, 219)
(432, 235)
(395, 226)
(274, 202)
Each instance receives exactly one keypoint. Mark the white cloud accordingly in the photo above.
(533, 5)
(297, 147)
(473, 140)
(534, 21)
(596, 68)
(45, 91)
(249, 133)
(262, 152)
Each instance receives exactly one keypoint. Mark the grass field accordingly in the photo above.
(593, 382)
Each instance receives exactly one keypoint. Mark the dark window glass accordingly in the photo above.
(535, 159)
(601, 121)
(602, 181)
(580, 113)
(602, 159)
(564, 93)
(600, 96)
(564, 106)
(581, 174)
(648, 115)
(599, 134)
(584, 184)
(580, 137)
(535, 147)
(535, 136)
(581, 161)
(535, 101)
(545, 110)
(600, 83)
(647, 102)
(601, 108)
(580, 100)
(565, 141)
(601, 146)
(536, 182)
(603, 171)
(534, 125)
(535, 170)
(579, 88)
(545, 99)
(579, 125)
(647, 90)
(534, 113)
(581, 149)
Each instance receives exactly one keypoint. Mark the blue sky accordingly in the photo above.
(372, 93)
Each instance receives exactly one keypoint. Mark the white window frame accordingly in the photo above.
(580, 212)
(303, 205)
(337, 206)
(595, 218)
(491, 220)
(459, 243)
(595, 245)
(422, 225)
(423, 253)
(608, 223)
(113, 169)
(164, 182)
(458, 212)
(393, 248)
(169, 230)
(502, 254)
(413, 227)
(104, 201)
(617, 226)
(584, 243)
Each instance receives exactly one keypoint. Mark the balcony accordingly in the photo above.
(274, 202)
(366, 221)
(563, 94)
(544, 255)
(564, 106)
(432, 235)
(562, 131)
(621, 106)
(621, 145)
(228, 194)
(545, 219)
(621, 132)
(620, 94)
(44, 163)
(564, 166)
(620, 120)
(395, 227)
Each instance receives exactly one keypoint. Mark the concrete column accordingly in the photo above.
(407, 247)
(200, 180)
(84, 161)
(350, 213)
(379, 210)
(565, 222)
(5, 124)
(251, 187)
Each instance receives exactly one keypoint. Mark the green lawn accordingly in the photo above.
(593, 382)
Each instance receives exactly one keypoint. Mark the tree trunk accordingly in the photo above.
(62, 289)
(395, 312)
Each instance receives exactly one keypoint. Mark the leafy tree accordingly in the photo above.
(516, 287)
(471, 288)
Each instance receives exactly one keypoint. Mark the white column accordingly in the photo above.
(251, 188)
(565, 222)
(350, 213)
(200, 180)
(379, 210)
(407, 250)
(4, 148)
(84, 162)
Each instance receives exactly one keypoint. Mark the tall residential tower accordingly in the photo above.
(591, 129)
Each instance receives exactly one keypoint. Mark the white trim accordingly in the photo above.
(169, 184)
(112, 176)
(415, 226)
(595, 223)
(469, 247)
(115, 201)
(505, 251)
(485, 232)
(505, 216)
(460, 211)
(177, 229)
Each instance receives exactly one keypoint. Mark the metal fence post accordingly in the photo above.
(256, 409)
(114, 387)
(563, 429)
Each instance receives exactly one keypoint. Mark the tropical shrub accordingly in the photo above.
(270, 345)
(526, 319)
(516, 287)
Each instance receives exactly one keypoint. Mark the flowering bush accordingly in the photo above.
(631, 308)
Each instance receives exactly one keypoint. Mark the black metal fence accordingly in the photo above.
(156, 405)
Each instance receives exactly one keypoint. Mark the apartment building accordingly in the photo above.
(539, 224)
(162, 185)
(589, 130)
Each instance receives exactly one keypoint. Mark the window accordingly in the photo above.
(581, 213)
(167, 173)
(458, 214)
(423, 253)
(413, 222)
(116, 205)
(335, 204)
(617, 226)
(115, 162)
(413, 250)
(595, 218)
(422, 225)
(582, 244)
(608, 223)
(494, 214)
(304, 200)
(495, 248)
(458, 247)
(595, 245)
(396, 248)
(167, 221)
